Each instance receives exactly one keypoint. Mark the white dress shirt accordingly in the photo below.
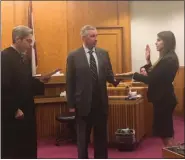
(88, 56)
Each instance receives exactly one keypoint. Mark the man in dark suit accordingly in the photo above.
(88, 70)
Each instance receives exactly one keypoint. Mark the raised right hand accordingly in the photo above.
(147, 53)
(19, 114)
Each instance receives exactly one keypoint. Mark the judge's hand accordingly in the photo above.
(71, 109)
(147, 53)
(19, 114)
(47, 77)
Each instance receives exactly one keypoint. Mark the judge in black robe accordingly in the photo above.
(18, 88)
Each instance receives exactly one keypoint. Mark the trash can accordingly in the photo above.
(125, 139)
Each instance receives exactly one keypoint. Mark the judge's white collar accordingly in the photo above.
(13, 46)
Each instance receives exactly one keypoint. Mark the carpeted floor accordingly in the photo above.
(149, 147)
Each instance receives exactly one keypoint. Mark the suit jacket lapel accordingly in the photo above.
(84, 58)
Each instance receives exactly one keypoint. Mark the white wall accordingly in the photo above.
(149, 18)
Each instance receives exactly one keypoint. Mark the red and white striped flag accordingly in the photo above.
(33, 51)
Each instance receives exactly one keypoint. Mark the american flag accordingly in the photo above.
(33, 51)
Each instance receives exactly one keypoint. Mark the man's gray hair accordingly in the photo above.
(21, 32)
(85, 29)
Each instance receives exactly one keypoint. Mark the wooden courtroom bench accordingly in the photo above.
(123, 89)
(122, 113)
(51, 105)
(125, 114)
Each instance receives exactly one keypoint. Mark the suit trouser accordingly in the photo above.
(98, 120)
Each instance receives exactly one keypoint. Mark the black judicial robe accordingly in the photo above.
(18, 87)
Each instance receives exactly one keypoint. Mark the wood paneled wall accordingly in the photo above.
(57, 29)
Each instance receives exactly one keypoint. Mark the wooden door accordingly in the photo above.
(110, 39)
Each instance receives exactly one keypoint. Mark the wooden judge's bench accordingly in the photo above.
(134, 114)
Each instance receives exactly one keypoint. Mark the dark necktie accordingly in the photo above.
(93, 66)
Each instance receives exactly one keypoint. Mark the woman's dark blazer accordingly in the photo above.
(160, 79)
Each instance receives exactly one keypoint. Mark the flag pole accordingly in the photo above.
(33, 50)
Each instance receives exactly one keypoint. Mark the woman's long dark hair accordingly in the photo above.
(169, 43)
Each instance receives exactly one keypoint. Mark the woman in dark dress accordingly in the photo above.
(160, 88)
